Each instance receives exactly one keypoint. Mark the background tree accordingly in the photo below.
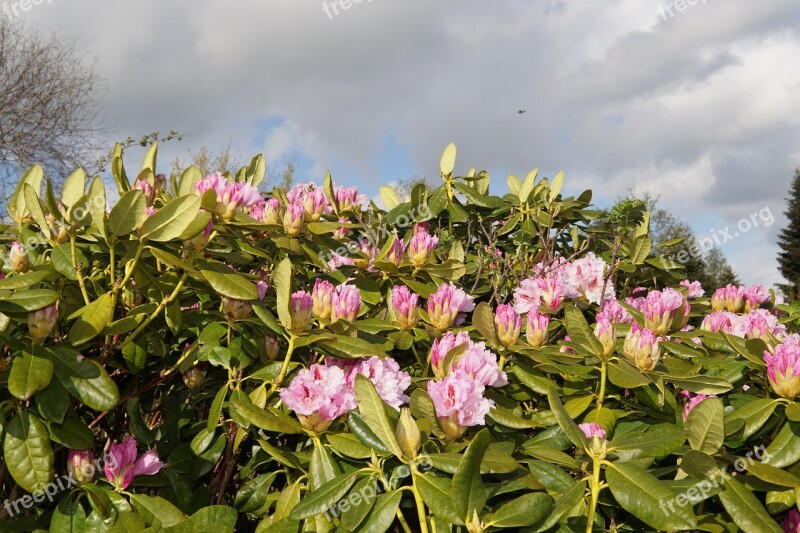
(49, 104)
(789, 242)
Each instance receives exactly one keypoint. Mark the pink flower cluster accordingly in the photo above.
(230, 195)
(663, 311)
(476, 361)
(592, 430)
(311, 199)
(421, 245)
(736, 299)
(758, 323)
(583, 278)
(459, 403)
(783, 367)
(348, 198)
(403, 307)
(123, 465)
(694, 289)
(448, 306)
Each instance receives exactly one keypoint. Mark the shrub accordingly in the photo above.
(197, 356)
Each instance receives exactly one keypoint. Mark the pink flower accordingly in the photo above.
(385, 374)
(642, 346)
(536, 330)
(590, 430)
(694, 400)
(459, 403)
(342, 231)
(762, 324)
(614, 312)
(403, 307)
(783, 367)
(448, 305)
(586, 277)
(443, 345)
(262, 287)
(545, 292)
(730, 298)
(397, 251)
(476, 361)
(420, 247)
(726, 322)
(231, 196)
(695, 290)
(312, 198)
(322, 296)
(791, 522)
(18, 258)
(665, 311)
(293, 219)
(349, 198)
(148, 191)
(122, 465)
(345, 303)
(271, 213)
(339, 261)
(301, 308)
(755, 296)
(606, 334)
(508, 324)
(319, 395)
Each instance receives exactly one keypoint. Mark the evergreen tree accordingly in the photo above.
(789, 242)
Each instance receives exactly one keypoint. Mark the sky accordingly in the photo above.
(695, 101)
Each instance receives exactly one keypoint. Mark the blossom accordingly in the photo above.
(729, 298)
(726, 322)
(664, 310)
(508, 324)
(345, 303)
(545, 292)
(311, 198)
(122, 464)
(459, 403)
(791, 522)
(348, 198)
(694, 289)
(148, 191)
(614, 312)
(342, 231)
(403, 307)
(444, 345)
(270, 213)
(385, 374)
(301, 307)
(319, 395)
(293, 219)
(338, 260)
(448, 305)
(755, 296)
(476, 360)
(18, 258)
(586, 278)
(763, 324)
(397, 251)
(321, 296)
(80, 465)
(230, 195)
(42, 322)
(536, 330)
(606, 334)
(590, 430)
(783, 367)
(420, 247)
(642, 346)
(694, 400)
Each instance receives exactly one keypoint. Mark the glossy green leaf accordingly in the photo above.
(373, 410)
(27, 452)
(29, 373)
(170, 221)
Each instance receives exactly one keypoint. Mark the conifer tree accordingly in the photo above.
(789, 242)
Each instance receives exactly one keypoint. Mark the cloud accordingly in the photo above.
(700, 107)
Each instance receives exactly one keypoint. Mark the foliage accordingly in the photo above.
(789, 241)
(243, 345)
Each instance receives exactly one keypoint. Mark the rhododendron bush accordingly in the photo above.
(200, 355)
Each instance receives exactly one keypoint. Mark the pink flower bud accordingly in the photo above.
(605, 333)
(403, 307)
(396, 252)
(348, 198)
(591, 430)
(448, 306)
(200, 241)
(508, 324)
(694, 289)
(642, 346)
(148, 191)
(271, 213)
(322, 295)
(345, 303)
(81, 465)
(293, 219)
(271, 347)
(665, 311)
(791, 522)
(420, 247)
(754, 297)
(536, 331)
(234, 309)
(301, 308)
(783, 367)
(18, 258)
(42, 322)
(342, 231)
(729, 298)
(314, 204)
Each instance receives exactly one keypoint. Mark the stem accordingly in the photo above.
(131, 267)
(423, 520)
(279, 380)
(402, 520)
(165, 302)
(78, 273)
(184, 357)
(603, 372)
(595, 488)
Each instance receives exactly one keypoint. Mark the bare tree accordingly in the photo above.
(49, 103)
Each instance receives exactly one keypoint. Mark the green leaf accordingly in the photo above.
(580, 332)
(156, 511)
(92, 320)
(216, 409)
(128, 522)
(383, 513)
(68, 517)
(29, 374)
(97, 204)
(526, 188)
(127, 213)
(643, 495)
(745, 509)
(253, 494)
(53, 402)
(448, 160)
(373, 410)
(34, 207)
(624, 375)
(571, 429)
(754, 415)
(564, 505)
(435, 492)
(26, 301)
(773, 475)
(467, 490)
(361, 429)
(705, 426)
(785, 449)
(352, 347)
(266, 420)
(323, 498)
(656, 442)
(211, 519)
(483, 321)
(702, 384)
(72, 433)
(170, 221)
(524, 511)
(61, 259)
(73, 187)
(282, 280)
(24, 281)
(389, 197)
(231, 284)
(27, 452)
(84, 379)
(361, 500)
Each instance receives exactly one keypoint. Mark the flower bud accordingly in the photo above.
(508, 324)
(42, 322)
(342, 231)
(147, 189)
(345, 303)
(321, 295)
(407, 433)
(396, 252)
(234, 309)
(160, 183)
(293, 219)
(403, 307)
(448, 305)
(201, 240)
(783, 367)
(642, 346)
(80, 465)
(131, 295)
(605, 333)
(271, 347)
(420, 247)
(18, 258)
(314, 204)
(271, 214)
(301, 309)
(536, 331)
(194, 376)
